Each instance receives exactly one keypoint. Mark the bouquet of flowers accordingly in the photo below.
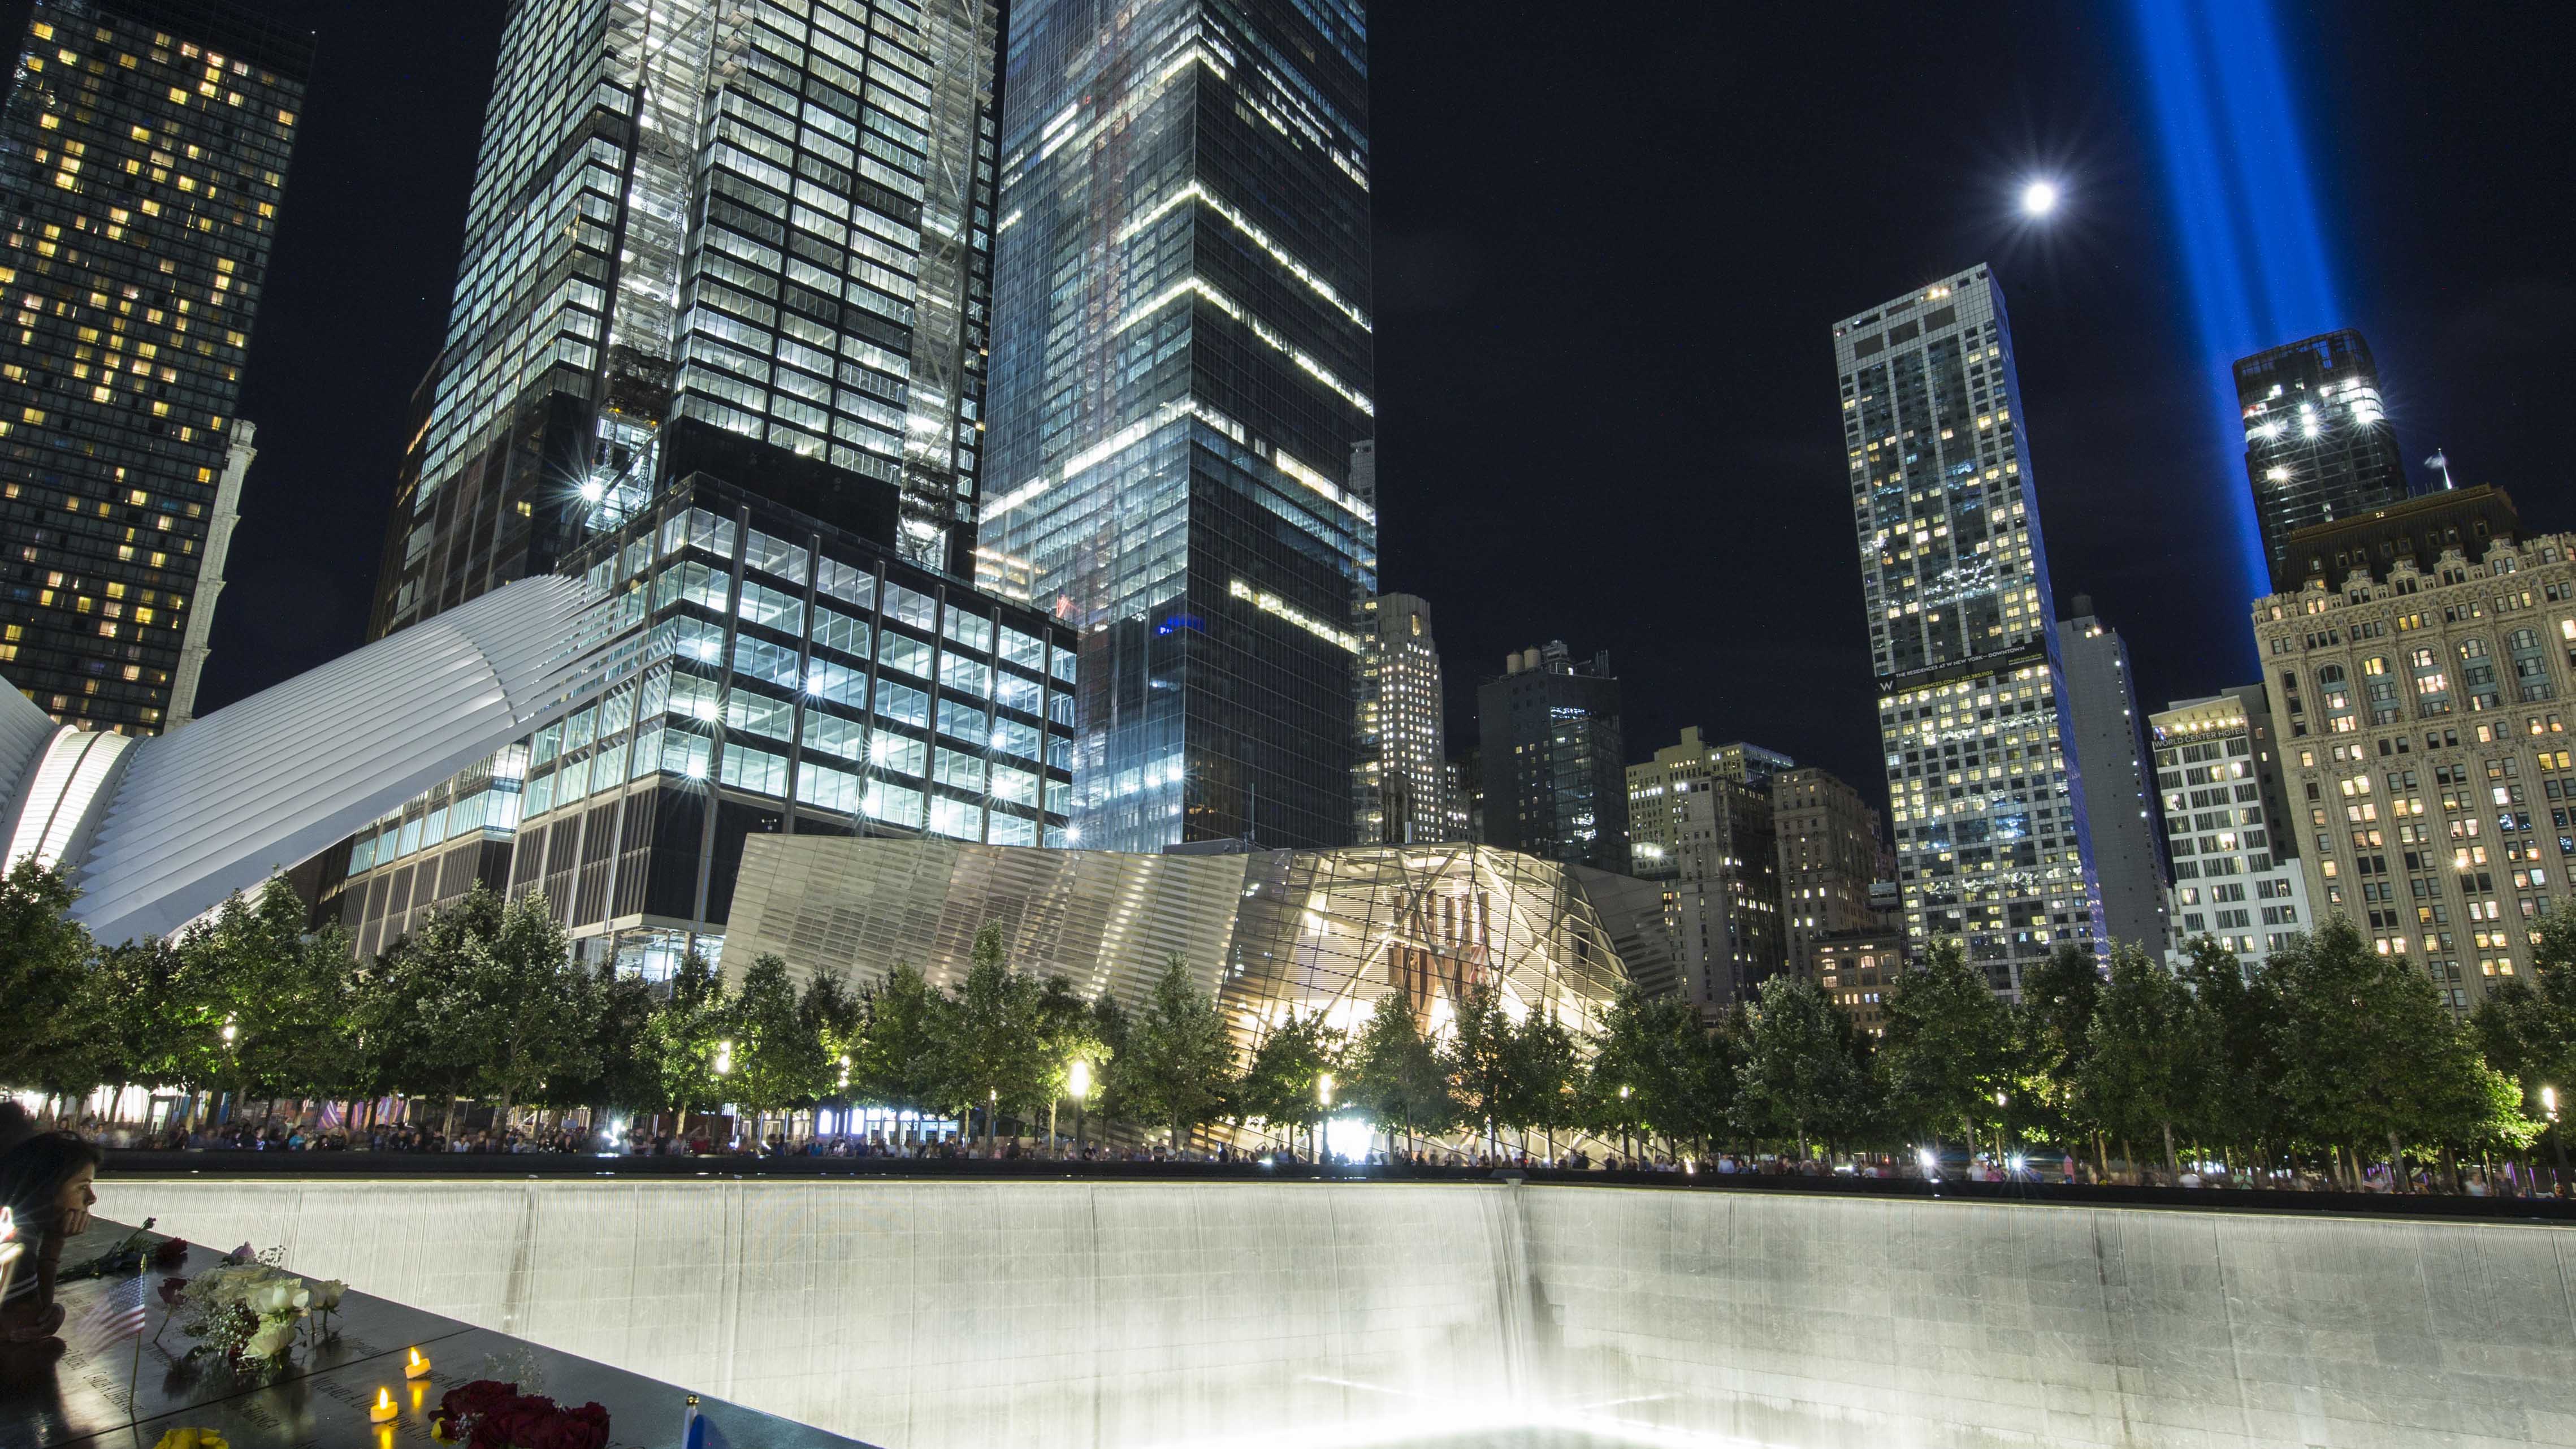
(248, 1311)
(489, 1414)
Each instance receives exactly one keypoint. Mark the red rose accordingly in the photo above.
(171, 1288)
(171, 1253)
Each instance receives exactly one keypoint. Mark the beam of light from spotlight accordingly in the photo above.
(2244, 212)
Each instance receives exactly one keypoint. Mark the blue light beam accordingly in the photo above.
(2244, 211)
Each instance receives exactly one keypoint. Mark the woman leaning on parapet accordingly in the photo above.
(45, 1185)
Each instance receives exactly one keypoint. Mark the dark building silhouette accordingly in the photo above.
(2318, 445)
(1555, 781)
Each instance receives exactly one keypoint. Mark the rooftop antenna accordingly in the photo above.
(2442, 461)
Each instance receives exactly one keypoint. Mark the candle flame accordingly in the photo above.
(384, 1397)
(415, 1355)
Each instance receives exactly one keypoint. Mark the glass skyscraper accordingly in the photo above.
(769, 218)
(142, 156)
(1992, 846)
(2318, 446)
(1183, 369)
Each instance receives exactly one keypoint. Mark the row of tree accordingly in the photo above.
(2329, 1050)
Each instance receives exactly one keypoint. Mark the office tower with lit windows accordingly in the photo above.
(1183, 365)
(697, 225)
(2236, 873)
(1550, 757)
(2119, 787)
(1985, 797)
(2318, 445)
(1401, 786)
(1654, 837)
(2420, 682)
(1831, 851)
(1722, 903)
(142, 154)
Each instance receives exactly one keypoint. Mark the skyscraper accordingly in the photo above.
(1183, 368)
(1654, 831)
(1400, 789)
(696, 224)
(1983, 791)
(142, 155)
(2119, 786)
(2236, 867)
(1550, 757)
(2318, 445)
(1831, 853)
(1722, 904)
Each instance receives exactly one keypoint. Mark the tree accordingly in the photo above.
(2150, 1055)
(896, 1059)
(534, 1004)
(833, 1015)
(1799, 1076)
(1281, 1083)
(1546, 1067)
(280, 996)
(1180, 1065)
(990, 1050)
(1112, 1029)
(2527, 1028)
(2244, 1099)
(1395, 1073)
(622, 1075)
(2371, 1051)
(44, 962)
(1656, 1070)
(684, 1035)
(1478, 1057)
(1948, 1048)
(777, 1060)
(2053, 1024)
(1068, 1032)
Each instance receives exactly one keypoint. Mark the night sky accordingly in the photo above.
(1609, 252)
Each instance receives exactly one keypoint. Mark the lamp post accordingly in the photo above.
(1626, 1148)
(1078, 1081)
(2557, 1138)
(2001, 1155)
(1324, 1101)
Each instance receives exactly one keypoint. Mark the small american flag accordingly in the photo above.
(118, 1314)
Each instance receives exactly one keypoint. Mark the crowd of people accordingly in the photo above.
(308, 1131)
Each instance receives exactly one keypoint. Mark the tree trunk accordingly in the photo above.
(2173, 1169)
(2398, 1178)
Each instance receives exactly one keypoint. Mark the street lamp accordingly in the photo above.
(2557, 1138)
(1324, 1101)
(1079, 1083)
(2001, 1101)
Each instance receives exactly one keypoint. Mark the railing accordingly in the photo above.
(475, 1166)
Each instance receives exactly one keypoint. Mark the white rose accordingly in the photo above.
(327, 1294)
(272, 1338)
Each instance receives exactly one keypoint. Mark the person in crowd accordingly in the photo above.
(45, 1184)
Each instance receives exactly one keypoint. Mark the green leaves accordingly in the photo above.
(1950, 1048)
(1800, 1076)
(1179, 1066)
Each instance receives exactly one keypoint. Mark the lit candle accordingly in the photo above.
(382, 1410)
(418, 1366)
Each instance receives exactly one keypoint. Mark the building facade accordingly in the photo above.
(2237, 877)
(143, 152)
(1984, 793)
(1831, 850)
(2421, 702)
(1549, 761)
(1855, 968)
(2318, 444)
(1267, 932)
(1654, 831)
(2119, 791)
(817, 682)
(1401, 787)
(1184, 367)
(1722, 904)
(766, 220)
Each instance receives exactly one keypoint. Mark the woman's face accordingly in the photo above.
(73, 1202)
